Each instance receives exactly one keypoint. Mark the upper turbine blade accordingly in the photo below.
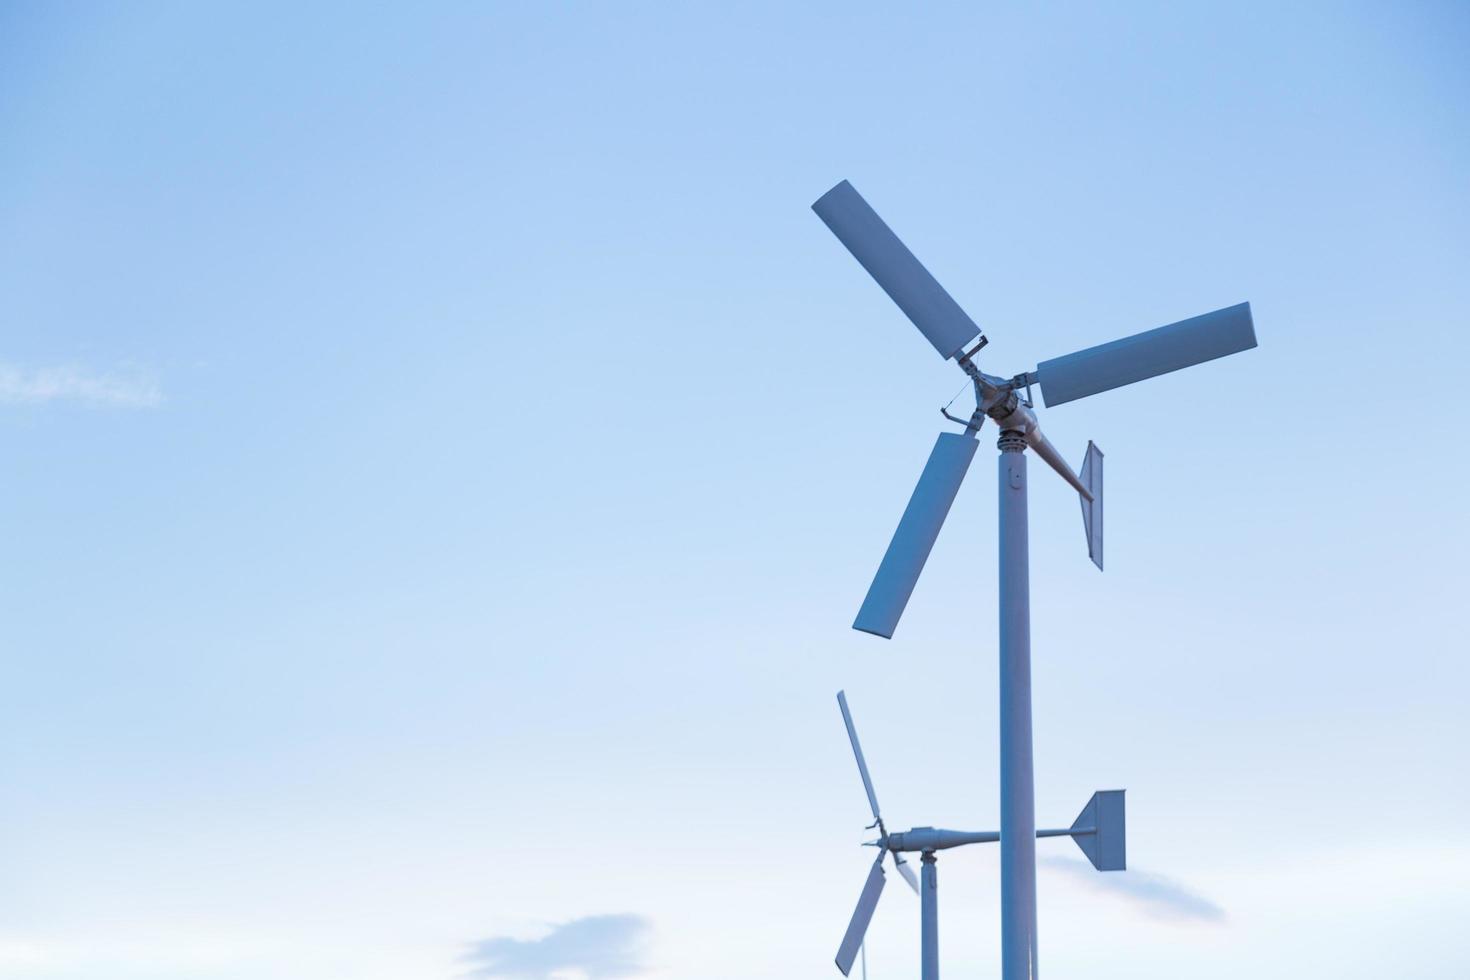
(938, 317)
(857, 751)
(861, 916)
(1144, 355)
(917, 531)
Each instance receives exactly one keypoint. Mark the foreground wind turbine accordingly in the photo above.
(1098, 831)
(1062, 379)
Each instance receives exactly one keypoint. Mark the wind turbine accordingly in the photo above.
(1098, 831)
(1062, 379)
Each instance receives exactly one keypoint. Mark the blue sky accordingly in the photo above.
(445, 453)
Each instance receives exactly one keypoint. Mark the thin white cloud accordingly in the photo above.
(24, 954)
(70, 383)
(597, 947)
(1155, 894)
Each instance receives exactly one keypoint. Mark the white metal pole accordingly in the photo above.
(1017, 786)
(929, 916)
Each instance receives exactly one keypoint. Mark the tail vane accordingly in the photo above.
(1092, 510)
(1099, 831)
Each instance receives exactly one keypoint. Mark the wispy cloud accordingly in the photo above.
(35, 386)
(1155, 894)
(595, 947)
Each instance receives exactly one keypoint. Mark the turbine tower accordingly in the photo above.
(1009, 404)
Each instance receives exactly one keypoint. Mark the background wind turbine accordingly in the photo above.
(1008, 403)
(1098, 830)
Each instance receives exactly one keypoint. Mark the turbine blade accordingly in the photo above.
(861, 916)
(917, 531)
(1144, 355)
(857, 751)
(906, 281)
(906, 871)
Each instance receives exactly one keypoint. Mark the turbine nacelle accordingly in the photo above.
(933, 839)
(1099, 832)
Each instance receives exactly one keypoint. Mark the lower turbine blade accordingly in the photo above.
(906, 871)
(861, 916)
(1144, 355)
(917, 531)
